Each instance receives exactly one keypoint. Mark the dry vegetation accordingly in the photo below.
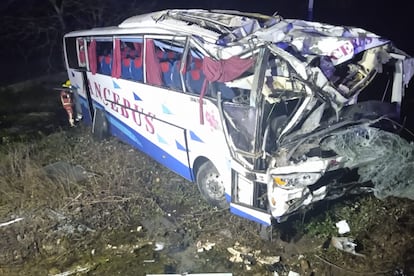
(64, 220)
(110, 221)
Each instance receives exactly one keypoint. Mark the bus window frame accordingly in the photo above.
(163, 37)
(85, 52)
(71, 55)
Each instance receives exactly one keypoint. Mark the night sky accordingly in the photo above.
(390, 19)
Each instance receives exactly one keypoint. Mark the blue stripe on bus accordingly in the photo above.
(130, 136)
(247, 216)
(128, 133)
(86, 116)
(87, 119)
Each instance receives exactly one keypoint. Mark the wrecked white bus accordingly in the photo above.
(257, 110)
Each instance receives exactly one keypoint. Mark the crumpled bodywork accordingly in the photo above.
(323, 83)
(294, 125)
(325, 70)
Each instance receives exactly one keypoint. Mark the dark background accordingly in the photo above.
(31, 31)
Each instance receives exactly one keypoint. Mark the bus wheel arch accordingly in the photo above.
(210, 183)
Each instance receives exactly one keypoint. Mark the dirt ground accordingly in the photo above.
(71, 205)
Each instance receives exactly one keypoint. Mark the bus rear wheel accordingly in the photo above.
(100, 128)
(211, 186)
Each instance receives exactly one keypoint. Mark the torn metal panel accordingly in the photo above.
(408, 67)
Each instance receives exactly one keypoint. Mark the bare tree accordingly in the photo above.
(33, 29)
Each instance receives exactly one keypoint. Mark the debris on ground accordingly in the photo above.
(343, 227)
(10, 222)
(74, 271)
(345, 244)
(204, 246)
(249, 257)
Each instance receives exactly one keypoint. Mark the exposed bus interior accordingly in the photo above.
(169, 62)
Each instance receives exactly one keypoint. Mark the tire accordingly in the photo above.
(211, 185)
(100, 128)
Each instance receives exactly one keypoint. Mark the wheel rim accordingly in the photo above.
(214, 186)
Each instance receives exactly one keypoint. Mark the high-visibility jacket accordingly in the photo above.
(66, 99)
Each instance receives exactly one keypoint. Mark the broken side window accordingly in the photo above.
(241, 124)
(240, 115)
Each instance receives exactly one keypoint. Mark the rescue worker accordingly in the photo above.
(67, 103)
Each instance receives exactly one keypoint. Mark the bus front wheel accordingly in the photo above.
(211, 186)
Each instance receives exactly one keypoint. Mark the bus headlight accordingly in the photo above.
(296, 180)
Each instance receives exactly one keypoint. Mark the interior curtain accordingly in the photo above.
(116, 59)
(92, 57)
(152, 65)
(222, 71)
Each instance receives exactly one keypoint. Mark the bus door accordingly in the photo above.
(77, 67)
(243, 117)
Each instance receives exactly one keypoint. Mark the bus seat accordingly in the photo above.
(100, 62)
(166, 69)
(227, 93)
(172, 56)
(175, 75)
(195, 79)
(137, 48)
(133, 53)
(106, 65)
(136, 69)
(167, 55)
(159, 54)
(125, 52)
(126, 69)
(198, 63)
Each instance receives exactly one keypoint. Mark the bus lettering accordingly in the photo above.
(149, 125)
(125, 107)
(136, 115)
(98, 90)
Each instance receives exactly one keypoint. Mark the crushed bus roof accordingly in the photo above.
(211, 25)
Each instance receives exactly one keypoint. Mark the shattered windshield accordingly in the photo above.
(266, 112)
(241, 125)
(241, 113)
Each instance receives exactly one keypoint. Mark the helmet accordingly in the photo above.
(67, 84)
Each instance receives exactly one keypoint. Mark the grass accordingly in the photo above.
(65, 220)
(124, 190)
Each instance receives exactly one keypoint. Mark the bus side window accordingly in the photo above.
(81, 52)
(194, 76)
(106, 64)
(196, 80)
(208, 76)
(168, 54)
(131, 61)
(71, 52)
(104, 56)
(137, 72)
